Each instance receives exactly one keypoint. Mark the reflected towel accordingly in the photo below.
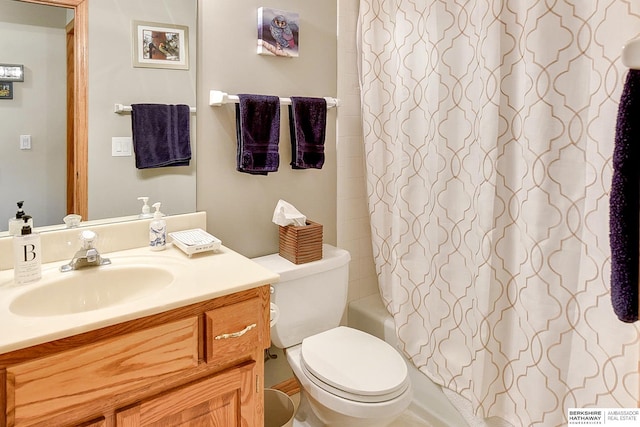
(624, 203)
(258, 133)
(307, 125)
(161, 135)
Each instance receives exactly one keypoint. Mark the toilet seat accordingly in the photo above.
(354, 365)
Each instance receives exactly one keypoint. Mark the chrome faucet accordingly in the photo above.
(88, 255)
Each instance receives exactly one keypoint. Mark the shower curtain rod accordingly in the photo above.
(218, 98)
(631, 54)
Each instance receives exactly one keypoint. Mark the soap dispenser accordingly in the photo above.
(27, 254)
(145, 208)
(15, 223)
(157, 230)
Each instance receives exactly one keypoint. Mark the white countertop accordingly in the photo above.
(198, 278)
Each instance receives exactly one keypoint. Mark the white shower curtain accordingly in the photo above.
(489, 129)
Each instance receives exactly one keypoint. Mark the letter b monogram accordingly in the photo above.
(29, 252)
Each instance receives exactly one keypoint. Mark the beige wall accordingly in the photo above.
(240, 206)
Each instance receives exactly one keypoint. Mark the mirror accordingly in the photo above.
(102, 185)
(56, 162)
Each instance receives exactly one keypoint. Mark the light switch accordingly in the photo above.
(121, 146)
(25, 142)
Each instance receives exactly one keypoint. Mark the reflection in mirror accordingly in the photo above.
(43, 150)
(103, 186)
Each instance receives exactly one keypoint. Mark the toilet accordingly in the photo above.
(348, 378)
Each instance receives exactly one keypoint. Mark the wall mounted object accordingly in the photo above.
(122, 109)
(218, 98)
(11, 73)
(631, 54)
(160, 45)
(6, 90)
(278, 32)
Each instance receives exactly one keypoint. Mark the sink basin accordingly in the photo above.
(90, 289)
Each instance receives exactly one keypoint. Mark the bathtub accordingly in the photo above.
(430, 402)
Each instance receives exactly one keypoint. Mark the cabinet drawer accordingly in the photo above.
(234, 331)
(91, 374)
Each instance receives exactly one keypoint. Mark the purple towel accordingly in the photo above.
(624, 203)
(307, 125)
(258, 133)
(161, 135)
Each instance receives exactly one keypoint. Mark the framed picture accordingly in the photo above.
(278, 32)
(11, 73)
(160, 45)
(6, 90)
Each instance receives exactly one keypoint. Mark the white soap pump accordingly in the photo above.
(146, 212)
(157, 230)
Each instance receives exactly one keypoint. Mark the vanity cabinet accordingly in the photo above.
(199, 365)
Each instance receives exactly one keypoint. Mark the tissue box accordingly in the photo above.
(301, 244)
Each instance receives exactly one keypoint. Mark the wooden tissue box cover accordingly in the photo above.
(301, 244)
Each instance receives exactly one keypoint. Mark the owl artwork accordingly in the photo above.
(282, 33)
(277, 32)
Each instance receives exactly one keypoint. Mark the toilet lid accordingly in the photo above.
(354, 365)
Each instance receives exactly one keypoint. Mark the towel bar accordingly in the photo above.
(120, 108)
(631, 54)
(218, 98)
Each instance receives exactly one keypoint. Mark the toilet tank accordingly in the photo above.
(310, 297)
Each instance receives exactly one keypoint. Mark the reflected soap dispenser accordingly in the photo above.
(15, 223)
(146, 212)
(27, 255)
(157, 230)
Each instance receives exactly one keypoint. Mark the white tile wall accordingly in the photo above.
(353, 228)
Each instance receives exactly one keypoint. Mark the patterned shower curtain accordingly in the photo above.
(489, 129)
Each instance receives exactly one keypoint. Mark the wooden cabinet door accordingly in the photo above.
(224, 400)
(73, 384)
